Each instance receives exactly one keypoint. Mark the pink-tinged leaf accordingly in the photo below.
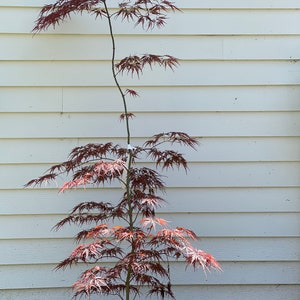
(151, 201)
(111, 169)
(99, 231)
(76, 182)
(152, 222)
(186, 232)
(135, 235)
(198, 258)
(92, 280)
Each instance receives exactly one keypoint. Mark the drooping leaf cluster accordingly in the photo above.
(147, 13)
(129, 224)
(101, 163)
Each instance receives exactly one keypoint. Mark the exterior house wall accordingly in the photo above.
(237, 89)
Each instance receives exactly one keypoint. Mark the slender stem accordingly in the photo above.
(114, 71)
(131, 226)
(128, 190)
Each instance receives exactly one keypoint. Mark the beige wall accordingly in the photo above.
(237, 89)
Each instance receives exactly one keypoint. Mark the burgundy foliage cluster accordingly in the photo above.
(147, 13)
(127, 247)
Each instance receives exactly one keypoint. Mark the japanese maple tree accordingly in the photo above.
(126, 247)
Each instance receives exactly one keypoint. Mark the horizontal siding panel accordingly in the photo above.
(234, 292)
(41, 201)
(38, 294)
(78, 125)
(252, 249)
(250, 149)
(284, 174)
(190, 73)
(252, 273)
(192, 22)
(188, 4)
(241, 273)
(239, 175)
(162, 99)
(52, 251)
(223, 224)
(204, 224)
(246, 149)
(97, 47)
(269, 174)
(31, 99)
(237, 4)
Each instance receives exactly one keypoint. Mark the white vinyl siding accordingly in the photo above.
(236, 89)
